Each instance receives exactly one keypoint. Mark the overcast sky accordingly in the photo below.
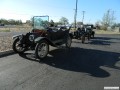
(25, 9)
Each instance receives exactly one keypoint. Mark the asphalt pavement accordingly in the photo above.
(89, 66)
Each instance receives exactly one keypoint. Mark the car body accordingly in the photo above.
(41, 37)
(89, 30)
(79, 34)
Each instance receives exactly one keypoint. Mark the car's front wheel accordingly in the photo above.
(17, 47)
(42, 49)
(83, 38)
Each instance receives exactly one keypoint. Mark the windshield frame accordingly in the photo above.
(42, 27)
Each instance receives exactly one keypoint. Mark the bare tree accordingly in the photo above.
(108, 18)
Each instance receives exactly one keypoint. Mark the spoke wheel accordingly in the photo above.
(41, 49)
(17, 47)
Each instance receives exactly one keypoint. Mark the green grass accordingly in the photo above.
(105, 32)
(4, 30)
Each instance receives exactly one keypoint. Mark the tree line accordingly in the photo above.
(62, 21)
(10, 22)
(108, 20)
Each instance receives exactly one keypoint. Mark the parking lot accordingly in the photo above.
(89, 66)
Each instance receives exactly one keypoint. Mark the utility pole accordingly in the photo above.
(75, 15)
(83, 16)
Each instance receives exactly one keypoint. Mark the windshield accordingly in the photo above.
(40, 22)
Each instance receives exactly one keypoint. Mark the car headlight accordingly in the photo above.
(31, 38)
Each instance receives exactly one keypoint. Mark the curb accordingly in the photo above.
(6, 53)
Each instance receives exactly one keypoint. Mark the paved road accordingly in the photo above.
(89, 66)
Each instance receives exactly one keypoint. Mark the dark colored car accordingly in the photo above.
(41, 37)
(79, 34)
(2, 24)
(82, 32)
(89, 30)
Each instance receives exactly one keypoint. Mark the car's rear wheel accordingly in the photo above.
(93, 34)
(68, 42)
(17, 47)
(42, 49)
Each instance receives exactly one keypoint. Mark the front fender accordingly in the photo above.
(16, 36)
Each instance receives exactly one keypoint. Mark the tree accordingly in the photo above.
(57, 23)
(52, 23)
(108, 18)
(10, 22)
(116, 25)
(78, 24)
(30, 22)
(98, 24)
(64, 20)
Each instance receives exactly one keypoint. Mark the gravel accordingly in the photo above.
(5, 43)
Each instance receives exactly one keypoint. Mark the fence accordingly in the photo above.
(6, 34)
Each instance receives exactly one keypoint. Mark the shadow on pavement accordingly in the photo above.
(98, 40)
(103, 40)
(80, 60)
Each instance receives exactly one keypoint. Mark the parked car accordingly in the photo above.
(79, 34)
(83, 32)
(89, 31)
(2, 24)
(41, 37)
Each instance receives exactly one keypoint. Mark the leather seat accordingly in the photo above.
(56, 34)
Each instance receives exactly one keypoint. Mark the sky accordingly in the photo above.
(25, 9)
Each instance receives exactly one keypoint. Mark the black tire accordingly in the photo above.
(15, 47)
(93, 34)
(39, 46)
(83, 39)
(68, 42)
(88, 36)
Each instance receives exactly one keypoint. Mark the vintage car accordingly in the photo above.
(83, 32)
(41, 36)
(89, 31)
(79, 34)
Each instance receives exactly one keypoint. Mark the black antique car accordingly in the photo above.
(89, 31)
(41, 36)
(83, 32)
(79, 34)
